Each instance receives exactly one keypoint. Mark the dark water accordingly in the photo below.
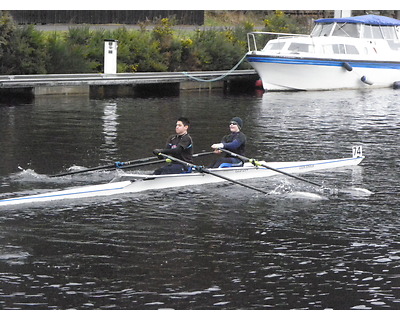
(204, 247)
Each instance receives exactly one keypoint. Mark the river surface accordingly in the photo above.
(203, 247)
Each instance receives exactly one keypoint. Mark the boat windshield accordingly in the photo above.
(351, 30)
(322, 30)
(355, 30)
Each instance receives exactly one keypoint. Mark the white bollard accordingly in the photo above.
(110, 56)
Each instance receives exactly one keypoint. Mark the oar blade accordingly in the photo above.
(82, 171)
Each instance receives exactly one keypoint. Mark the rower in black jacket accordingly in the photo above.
(180, 146)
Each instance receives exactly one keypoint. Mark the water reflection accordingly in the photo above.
(202, 247)
(110, 131)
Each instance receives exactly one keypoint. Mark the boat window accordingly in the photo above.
(299, 47)
(351, 49)
(372, 32)
(389, 32)
(317, 30)
(347, 30)
(376, 32)
(394, 45)
(341, 49)
(327, 49)
(322, 30)
(338, 49)
(380, 32)
(274, 45)
(368, 31)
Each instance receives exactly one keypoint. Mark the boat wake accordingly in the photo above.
(31, 176)
(27, 175)
(355, 192)
(286, 191)
(302, 195)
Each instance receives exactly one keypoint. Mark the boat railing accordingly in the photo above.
(252, 42)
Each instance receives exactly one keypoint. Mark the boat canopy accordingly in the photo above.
(366, 19)
(367, 27)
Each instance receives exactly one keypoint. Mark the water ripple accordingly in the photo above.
(205, 247)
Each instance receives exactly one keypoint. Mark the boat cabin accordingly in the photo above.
(362, 35)
(340, 53)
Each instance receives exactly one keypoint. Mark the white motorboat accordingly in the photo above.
(133, 183)
(340, 53)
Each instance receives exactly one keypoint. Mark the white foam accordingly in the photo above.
(357, 192)
(306, 196)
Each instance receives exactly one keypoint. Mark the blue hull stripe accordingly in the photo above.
(327, 62)
(319, 163)
(41, 196)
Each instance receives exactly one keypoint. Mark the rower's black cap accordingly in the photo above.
(239, 121)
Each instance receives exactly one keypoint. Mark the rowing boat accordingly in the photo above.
(133, 183)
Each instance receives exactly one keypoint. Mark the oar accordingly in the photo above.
(258, 164)
(162, 160)
(135, 165)
(123, 165)
(202, 169)
(108, 166)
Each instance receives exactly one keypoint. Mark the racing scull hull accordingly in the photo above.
(139, 183)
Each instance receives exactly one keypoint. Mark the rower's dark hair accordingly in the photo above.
(184, 120)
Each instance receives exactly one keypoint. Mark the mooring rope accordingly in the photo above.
(218, 78)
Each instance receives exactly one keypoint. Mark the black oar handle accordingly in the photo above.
(141, 164)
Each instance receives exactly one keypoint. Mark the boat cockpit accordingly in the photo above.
(355, 30)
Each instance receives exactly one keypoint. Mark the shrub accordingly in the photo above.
(145, 52)
(217, 50)
(64, 56)
(280, 22)
(7, 28)
(24, 50)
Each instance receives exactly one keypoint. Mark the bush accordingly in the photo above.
(24, 50)
(7, 28)
(146, 53)
(64, 57)
(217, 50)
(279, 22)
(169, 46)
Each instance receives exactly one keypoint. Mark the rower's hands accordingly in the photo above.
(119, 164)
(157, 153)
(217, 146)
